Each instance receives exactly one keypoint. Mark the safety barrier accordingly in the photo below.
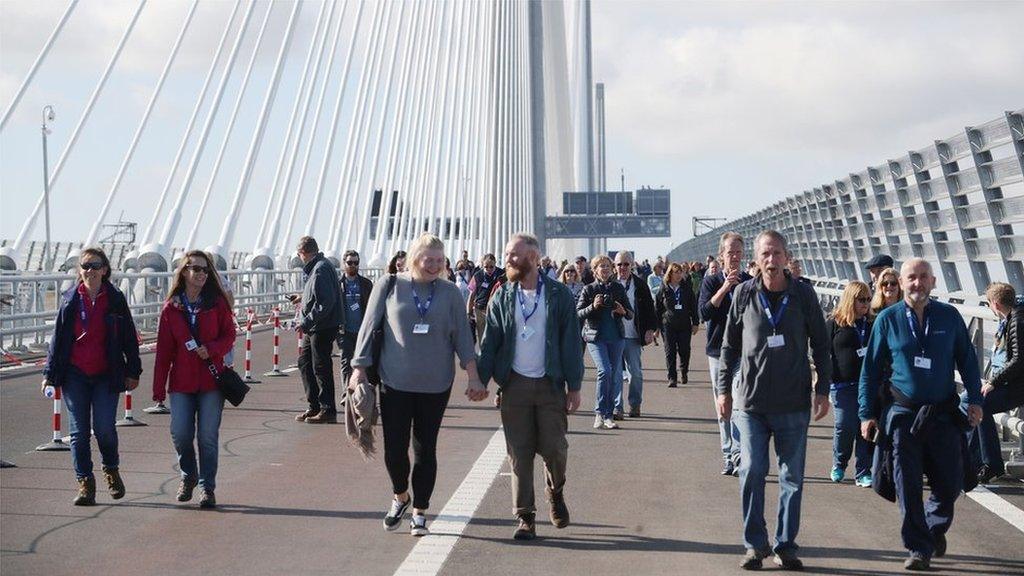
(57, 443)
(248, 379)
(128, 419)
(276, 371)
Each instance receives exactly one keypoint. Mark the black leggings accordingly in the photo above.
(677, 344)
(421, 414)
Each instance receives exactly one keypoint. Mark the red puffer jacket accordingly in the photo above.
(186, 370)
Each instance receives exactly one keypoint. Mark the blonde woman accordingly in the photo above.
(887, 291)
(849, 327)
(424, 323)
(571, 278)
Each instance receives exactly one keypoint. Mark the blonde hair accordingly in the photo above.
(426, 241)
(845, 314)
(878, 300)
(1002, 293)
(600, 258)
(565, 272)
(672, 269)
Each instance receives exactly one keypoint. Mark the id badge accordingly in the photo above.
(527, 332)
(776, 341)
(485, 284)
(922, 362)
(861, 352)
(191, 345)
(354, 307)
(679, 306)
(420, 328)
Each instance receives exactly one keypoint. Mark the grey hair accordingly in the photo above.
(528, 239)
(627, 254)
(774, 235)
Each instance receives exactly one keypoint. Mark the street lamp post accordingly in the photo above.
(48, 116)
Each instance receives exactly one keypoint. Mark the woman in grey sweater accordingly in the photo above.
(424, 326)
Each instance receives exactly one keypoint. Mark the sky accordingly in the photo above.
(732, 105)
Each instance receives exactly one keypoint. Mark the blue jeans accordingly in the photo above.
(847, 437)
(937, 454)
(984, 439)
(607, 355)
(631, 359)
(89, 398)
(728, 433)
(191, 413)
(790, 431)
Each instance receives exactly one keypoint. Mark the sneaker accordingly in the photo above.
(307, 414)
(987, 474)
(86, 492)
(634, 412)
(618, 416)
(609, 424)
(864, 480)
(185, 489)
(917, 562)
(527, 529)
(672, 384)
(728, 469)
(114, 483)
(940, 545)
(418, 525)
(559, 511)
(837, 475)
(395, 515)
(207, 500)
(323, 417)
(787, 560)
(598, 421)
(752, 560)
(736, 470)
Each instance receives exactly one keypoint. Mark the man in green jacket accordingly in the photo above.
(531, 347)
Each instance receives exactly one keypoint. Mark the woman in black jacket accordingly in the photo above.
(93, 357)
(602, 306)
(676, 308)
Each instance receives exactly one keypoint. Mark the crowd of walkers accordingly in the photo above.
(884, 359)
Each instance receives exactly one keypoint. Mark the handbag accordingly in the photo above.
(228, 381)
(377, 338)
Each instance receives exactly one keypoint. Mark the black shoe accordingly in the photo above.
(728, 469)
(185, 489)
(672, 384)
(394, 516)
(986, 474)
(940, 545)
(752, 559)
(787, 560)
(618, 416)
(207, 500)
(686, 379)
(526, 530)
(634, 412)
(917, 562)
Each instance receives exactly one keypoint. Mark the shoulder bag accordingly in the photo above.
(228, 381)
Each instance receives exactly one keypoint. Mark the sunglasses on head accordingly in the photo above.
(197, 269)
(91, 265)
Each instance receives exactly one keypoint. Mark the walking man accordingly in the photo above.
(531, 347)
(639, 331)
(923, 342)
(320, 316)
(356, 291)
(770, 321)
(480, 288)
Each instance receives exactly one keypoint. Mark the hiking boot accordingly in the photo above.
(114, 483)
(207, 499)
(185, 489)
(526, 530)
(559, 511)
(323, 417)
(634, 412)
(917, 562)
(394, 516)
(752, 560)
(940, 545)
(86, 492)
(307, 414)
(787, 560)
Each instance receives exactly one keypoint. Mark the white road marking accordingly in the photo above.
(431, 552)
(290, 370)
(998, 506)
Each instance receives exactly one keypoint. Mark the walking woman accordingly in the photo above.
(397, 263)
(93, 357)
(848, 329)
(195, 326)
(887, 291)
(571, 278)
(424, 324)
(657, 278)
(676, 308)
(601, 306)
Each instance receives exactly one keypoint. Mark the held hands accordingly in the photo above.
(131, 383)
(974, 414)
(201, 351)
(820, 406)
(868, 429)
(476, 391)
(572, 401)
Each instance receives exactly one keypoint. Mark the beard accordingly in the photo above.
(518, 271)
(917, 296)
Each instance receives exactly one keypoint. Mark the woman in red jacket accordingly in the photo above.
(195, 325)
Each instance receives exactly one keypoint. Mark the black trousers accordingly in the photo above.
(347, 344)
(317, 369)
(420, 414)
(677, 343)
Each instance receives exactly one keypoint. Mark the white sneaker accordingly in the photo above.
(609, 424)
(418, 525)
(598, 421)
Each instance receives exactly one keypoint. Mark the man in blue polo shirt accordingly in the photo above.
(923, 341)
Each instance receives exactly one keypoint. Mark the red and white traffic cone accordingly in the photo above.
(248, 351)
(276, 372)
(58, 442)
(128, 419)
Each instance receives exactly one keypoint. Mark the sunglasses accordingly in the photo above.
(91, 265)
(622, 265)
(863, 300)
(352, 263)
(196, 269)
(888, 284)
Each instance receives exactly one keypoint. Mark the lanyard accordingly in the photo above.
(193, 310)
(676, 292)
(776, 318)
(862, 330)
(84, 314)
(351, 288)
(423, 309)
(536, 302)
(913, 327)
(1000, 332)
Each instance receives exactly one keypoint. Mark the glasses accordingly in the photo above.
(352, 263)
(622, 265)
(863, 300)
(91, 265)
(888, 284)
(196, 269)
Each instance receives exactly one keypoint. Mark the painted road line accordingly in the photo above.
(998, 506)
(290, 370)
(430, 552)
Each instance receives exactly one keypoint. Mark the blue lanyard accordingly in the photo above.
(422, 310)
(1000, 332)
(676, 292)
(776, 318)
(536, 302)
(862, 330)
(82, 309)
(351, 288)
(913, 327)
(193, 310)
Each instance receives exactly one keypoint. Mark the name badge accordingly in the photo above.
(527, 333)
(420, 328)
(922, 362)
(191, 345)
(861, 352)
(354, 306)
(679, 306)
(485, 284)
(776, 341)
